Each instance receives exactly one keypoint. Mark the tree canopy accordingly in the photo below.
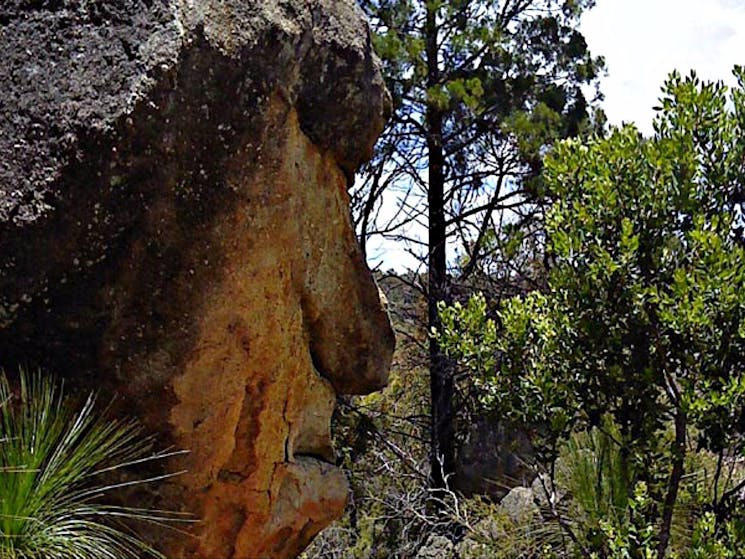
(487, 86)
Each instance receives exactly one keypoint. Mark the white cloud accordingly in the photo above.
(643, 40)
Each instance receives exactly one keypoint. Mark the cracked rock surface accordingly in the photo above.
(174, 229)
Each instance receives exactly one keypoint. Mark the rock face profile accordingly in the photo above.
(175, 233)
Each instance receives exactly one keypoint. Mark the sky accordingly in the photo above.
(642, 41)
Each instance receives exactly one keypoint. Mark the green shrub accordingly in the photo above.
(54, 465)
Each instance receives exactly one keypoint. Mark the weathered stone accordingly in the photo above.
(174, 229)
(494, 458)
(437, 547)
(519, 504)
(545, 492)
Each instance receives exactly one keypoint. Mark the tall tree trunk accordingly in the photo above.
(679, 448)
(442, 452)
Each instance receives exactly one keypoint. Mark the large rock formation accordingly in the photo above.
(174, 229)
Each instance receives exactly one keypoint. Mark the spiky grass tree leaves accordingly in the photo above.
(56, 466)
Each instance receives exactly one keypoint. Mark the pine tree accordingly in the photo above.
(480, 88)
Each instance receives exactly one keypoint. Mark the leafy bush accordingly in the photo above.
(642, 319)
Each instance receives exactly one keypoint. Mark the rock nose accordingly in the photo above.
(360, 363)
(351, 337)
(349, 332)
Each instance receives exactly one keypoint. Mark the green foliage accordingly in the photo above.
(591, 471)
(508, 80)
(479, 89)
(643, 316)
(712, 540)
(632, 536)
(54, 465)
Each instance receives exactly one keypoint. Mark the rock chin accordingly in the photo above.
(174, 225)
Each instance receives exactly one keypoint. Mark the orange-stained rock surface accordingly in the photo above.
(256, 435)
(175, 232)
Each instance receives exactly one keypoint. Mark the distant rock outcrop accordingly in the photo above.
(494, 458)
(174, 229)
